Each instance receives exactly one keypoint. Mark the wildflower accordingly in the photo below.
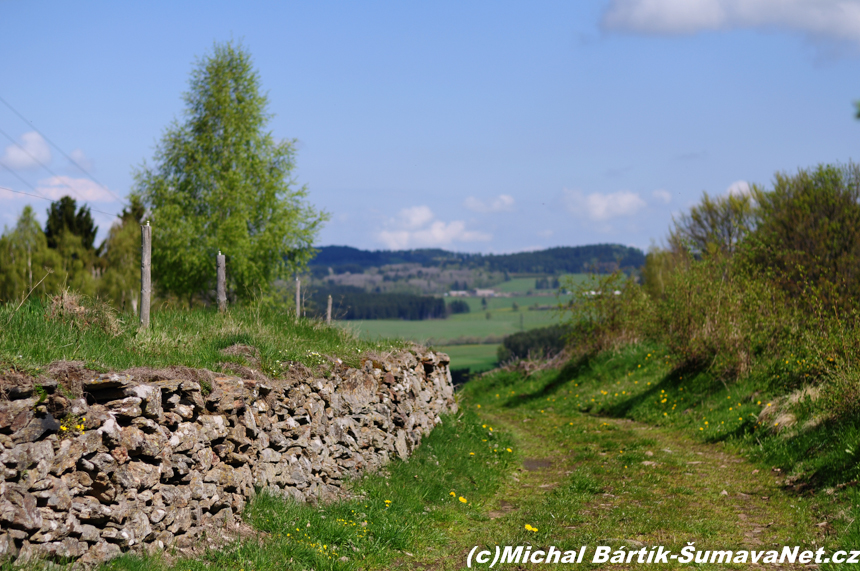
(463, 500)
(471, 453)
(452, 494)
(508, 449)
(530, 528)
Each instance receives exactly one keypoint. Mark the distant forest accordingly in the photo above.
(354, 303)
(598, 258)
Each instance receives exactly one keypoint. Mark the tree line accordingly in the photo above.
(597, 258)
(351, 302)
(64, 254)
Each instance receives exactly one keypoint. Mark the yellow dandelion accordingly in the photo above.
(508, 449)
(463, 500)
(452, 494)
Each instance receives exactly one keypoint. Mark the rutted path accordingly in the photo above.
(593, 481)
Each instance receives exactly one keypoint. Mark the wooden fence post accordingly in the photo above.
(328, 312)
(145, 273)
(220, 264)
(298, 299)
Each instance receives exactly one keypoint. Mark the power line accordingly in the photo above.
(19, 177)
(70, 159)
(24, 193)
(46, 167)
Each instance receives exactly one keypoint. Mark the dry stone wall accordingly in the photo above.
(150, 465)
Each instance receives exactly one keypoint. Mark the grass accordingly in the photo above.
(456, 328)
(476, 358)
(522, 285)
(30, 339)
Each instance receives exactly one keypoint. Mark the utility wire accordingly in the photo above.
(44, 166)
(70, 159)
(23, 180)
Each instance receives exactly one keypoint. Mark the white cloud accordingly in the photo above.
(56, 187)
(83, 161)
(662, 195)
(417, 227)
(415, 217)
(832, 19)
(600, 207)
(502, 203)
(31, 149)
(738, 188)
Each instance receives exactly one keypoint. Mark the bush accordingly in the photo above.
(458, 306)
(536, 343)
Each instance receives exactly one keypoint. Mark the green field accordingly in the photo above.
(503, 321)
(506, 303)
(474, 357)
(522, 285)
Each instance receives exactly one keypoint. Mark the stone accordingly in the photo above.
(88, 509)
(67, 456)
(10, 409)
(136, 475)
(100, 553)
(136, 530)
(111, 431)
(146, 425)
(184, 410)
(7, 546)
(36, 426)
(108, 463)
(56, 494)
(213, 427)
(185, 437)
(89, 533)
(102, 489)
(107, 381)
(150, 396)
(180, 521)
(18, 507)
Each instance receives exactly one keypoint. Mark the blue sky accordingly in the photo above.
(471, 126)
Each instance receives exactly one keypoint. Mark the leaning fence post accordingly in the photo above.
(298, 299)
(220, 264)
(145, 273)
(328, 311)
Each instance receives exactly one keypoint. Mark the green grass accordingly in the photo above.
(503, 321)
(476, 358)
(30, 339)
(522, 285)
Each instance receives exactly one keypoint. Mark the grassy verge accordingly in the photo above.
(393, 517)
(39, 333)
(808, 467)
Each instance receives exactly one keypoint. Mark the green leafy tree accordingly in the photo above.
(221, 181)
(120, 253)
(65, 216)
(25, 260)
(715, 224)
(808, 234)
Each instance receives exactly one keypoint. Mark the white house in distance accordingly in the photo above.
(472, 293)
